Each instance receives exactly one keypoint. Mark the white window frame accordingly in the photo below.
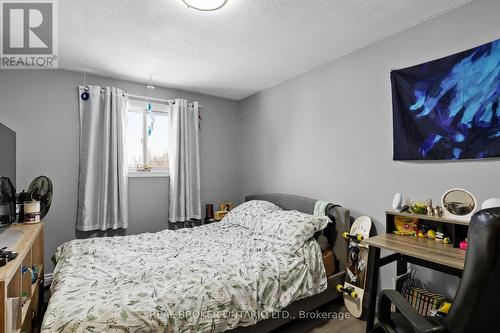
(140, 107)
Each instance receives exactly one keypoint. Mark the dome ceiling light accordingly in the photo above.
(205, 5)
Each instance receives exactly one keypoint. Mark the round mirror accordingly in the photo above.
(458, 204)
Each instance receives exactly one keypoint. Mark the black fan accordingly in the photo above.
(41, 190)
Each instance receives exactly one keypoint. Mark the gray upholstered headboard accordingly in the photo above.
(340, 217)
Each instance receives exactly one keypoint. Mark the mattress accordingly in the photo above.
(211, 278)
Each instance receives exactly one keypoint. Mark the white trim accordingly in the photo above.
(151, 174)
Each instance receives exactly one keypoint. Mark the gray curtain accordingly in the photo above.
(184, 162)
(102, 185)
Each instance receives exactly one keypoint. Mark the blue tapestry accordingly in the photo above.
(448, 109)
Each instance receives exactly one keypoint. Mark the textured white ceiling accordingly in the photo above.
(246, 47)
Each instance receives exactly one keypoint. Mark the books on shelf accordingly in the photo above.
(425, 302)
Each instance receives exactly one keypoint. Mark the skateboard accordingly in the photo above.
(357, 265)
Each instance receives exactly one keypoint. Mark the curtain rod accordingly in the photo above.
(168, 101)
(145, 98)
(139, 97)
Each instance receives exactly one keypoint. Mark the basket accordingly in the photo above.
(424, 301)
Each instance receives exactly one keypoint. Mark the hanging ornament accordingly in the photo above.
(150, 118)
(85, 94)
(150, 128)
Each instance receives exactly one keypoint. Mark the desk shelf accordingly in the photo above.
(455, 229)
(427, 217)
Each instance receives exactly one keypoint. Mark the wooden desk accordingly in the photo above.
(420, 251)
(421, 248)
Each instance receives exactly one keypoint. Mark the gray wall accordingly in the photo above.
(325, 134)
(328, 133)
(42, 107)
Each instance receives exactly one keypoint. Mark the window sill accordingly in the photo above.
(152, 174)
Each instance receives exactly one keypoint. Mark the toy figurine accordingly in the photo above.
(430, 210)
(440, 234)
(431, 234)
(406, 206)
(422, 232)
(438, 211)
(418, 207)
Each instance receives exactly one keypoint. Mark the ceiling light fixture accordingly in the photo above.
(150, 84)
(205, 5)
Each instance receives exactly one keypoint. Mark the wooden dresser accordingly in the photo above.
(14, 283)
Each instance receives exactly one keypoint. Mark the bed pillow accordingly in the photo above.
(289, 229)
(249, 213)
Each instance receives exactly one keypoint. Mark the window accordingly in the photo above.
(148, 139)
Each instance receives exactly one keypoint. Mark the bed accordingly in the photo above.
(214, 278)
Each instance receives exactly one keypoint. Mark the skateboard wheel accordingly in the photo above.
(339, 288)
(360, 237)
(354, 294)
(345, 235)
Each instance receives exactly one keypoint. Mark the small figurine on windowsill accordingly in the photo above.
(209, 213)
(143, 168)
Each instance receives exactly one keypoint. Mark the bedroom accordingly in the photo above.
(293, 96)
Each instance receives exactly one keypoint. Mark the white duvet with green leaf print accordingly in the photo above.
(206, 279)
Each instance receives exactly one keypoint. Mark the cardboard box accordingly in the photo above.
(329, 262)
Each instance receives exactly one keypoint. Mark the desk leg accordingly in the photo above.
(402, 266)
(372, 302)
